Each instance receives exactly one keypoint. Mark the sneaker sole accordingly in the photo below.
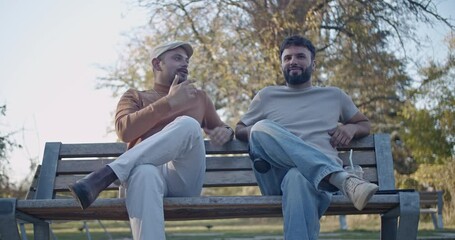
(363, 199)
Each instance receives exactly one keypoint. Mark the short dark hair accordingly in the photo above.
(297, 40)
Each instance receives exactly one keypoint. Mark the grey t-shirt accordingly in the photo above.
(308, 113)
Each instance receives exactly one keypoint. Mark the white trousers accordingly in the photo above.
(169, 163)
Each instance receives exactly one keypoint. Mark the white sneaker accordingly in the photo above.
(359, 191)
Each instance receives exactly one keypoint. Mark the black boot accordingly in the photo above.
(86, 190)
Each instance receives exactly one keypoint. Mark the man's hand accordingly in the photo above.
(357, 126)
(342, 135)
(242, 132)
(219, 135)
(181, 93)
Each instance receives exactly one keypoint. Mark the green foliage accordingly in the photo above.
(421, 133)
(431, 177)
(429, 118)
(6, 145)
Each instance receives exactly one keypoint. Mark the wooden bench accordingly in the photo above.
(227, 166)
(431, 202)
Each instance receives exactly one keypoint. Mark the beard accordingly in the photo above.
(182, 77)
(304, 77)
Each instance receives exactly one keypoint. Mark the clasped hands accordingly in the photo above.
(219, 135)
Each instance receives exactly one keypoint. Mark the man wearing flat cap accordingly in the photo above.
(166, 154)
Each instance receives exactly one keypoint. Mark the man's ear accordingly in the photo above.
(156, 64)
(313, 65)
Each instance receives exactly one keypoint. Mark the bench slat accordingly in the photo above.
(186, 208)
(213, 164)
(243, 162)
(212, 179)
(115, 149)
(92, 150)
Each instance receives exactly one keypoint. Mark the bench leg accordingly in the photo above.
(435, 220)
(87, 230)
(440, 223)
(343, 223)
(41, 230)
(388, 227)
(408, 213)
(8, 224)
(23, 232)
(109, 236)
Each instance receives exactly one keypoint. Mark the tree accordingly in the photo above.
(6, 145)
(429, 126)
(360, 48)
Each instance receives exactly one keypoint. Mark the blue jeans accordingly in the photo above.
(297, 173)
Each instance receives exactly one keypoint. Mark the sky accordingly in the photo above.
(50, 53)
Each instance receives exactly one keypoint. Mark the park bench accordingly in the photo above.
(431, 202)
(227, 166)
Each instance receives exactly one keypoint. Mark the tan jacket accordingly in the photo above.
(140, 114)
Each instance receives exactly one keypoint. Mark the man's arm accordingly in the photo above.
(358, 126)
(218, 131)
(132, 120)
(242, 132)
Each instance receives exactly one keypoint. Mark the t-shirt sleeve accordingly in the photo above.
(255, 111)
(348, 108)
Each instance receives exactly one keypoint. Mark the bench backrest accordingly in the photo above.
(431, 198)
(227, 165)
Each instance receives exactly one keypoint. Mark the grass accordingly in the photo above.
(360, 227)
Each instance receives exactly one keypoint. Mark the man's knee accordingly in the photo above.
(294, 180)
(188, 125)
(146, 174)
(261, 125)
(188, 122)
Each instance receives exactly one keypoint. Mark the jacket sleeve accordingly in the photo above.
(132, 120)
(211, 117)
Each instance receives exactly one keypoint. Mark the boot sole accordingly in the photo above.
(76, 195)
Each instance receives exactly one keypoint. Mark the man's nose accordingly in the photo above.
(293, 61)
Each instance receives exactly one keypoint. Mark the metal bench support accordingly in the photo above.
(8, 225)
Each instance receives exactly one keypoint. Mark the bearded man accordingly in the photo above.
(293, 131)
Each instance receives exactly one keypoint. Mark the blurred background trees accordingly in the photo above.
(362, 47)
(7, 189)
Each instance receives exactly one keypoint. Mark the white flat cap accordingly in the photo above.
(162, 48)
